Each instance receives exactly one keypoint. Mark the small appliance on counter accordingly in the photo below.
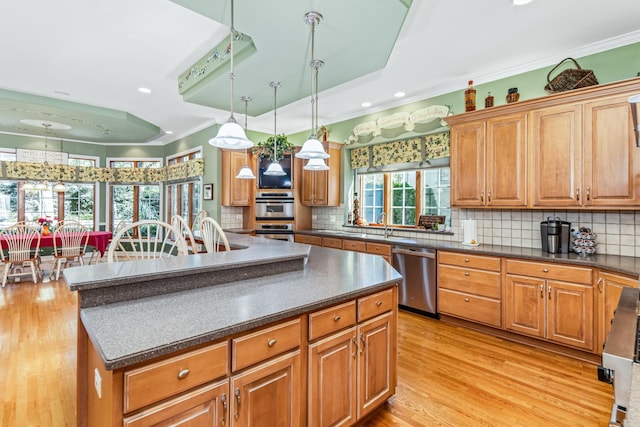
(555, 235)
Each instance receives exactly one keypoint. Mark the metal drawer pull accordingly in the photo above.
(546, 270)
(336, 318)
(549, 290)
(364, 343)
(237, 415)
(355, 344)
(378, 303)
(271, 342)
(466, 273)
(223, 399)
(599, 284)
(466, 260)
(466, 299)
(541, 291)
(183, 374)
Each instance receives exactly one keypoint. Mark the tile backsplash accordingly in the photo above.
(618, 231)
(231, 217)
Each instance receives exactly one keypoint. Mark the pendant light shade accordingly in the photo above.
(274, 168)
(316, 165)
(231, 136)
(245, 171)
(312, 148)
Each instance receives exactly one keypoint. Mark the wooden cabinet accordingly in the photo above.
(550, 301)
(307, 239)
(489, 162)
(382, 249)
(322, 188)
(236, 192)
(353, 370)
(332, 242)
(469, 287)
(609, 287)
(354, 245)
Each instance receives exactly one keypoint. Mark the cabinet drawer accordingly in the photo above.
(308, 240)
(265, 343)
(154, 382)
(375, 304)
(378, 248)
(354, 245)
(471, 307)
(479, 282)
(332, 319)
(332, 242)
(544, 270)
(471, 261)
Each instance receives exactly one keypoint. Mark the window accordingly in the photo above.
(404, 195)
(184, 198)
(133, 203)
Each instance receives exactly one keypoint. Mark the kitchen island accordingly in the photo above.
(239, 334)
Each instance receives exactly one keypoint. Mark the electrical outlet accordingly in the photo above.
(97, 382)
(332, 218)
(314, 216)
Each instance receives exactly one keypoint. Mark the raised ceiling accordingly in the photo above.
(82, 61)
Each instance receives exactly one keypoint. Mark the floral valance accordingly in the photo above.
(28, 171)
(412, 150)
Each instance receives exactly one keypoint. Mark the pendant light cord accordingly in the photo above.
(275, 86)
(231, 75)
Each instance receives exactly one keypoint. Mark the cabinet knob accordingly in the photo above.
(378, 303)
(466, 299)
(466, 260)
(466, 273)
(546, 270)
(184, 373)
(271, 342)
(336, 318)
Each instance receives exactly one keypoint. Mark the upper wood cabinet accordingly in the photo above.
(236, 192)
(488, 163)
(322, 188)
(570, 150)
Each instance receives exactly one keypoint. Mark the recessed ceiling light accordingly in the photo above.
(366, 104)
(399, 94)
(168, 132)
(144, 90)
(521, 2)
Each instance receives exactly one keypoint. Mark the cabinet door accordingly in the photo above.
(235, 192)
(506, 161)
(206, 406)
(271, 391)
(610, 154)
(570, 308)
(555, 138)
(377, 362)
(525, 305)
(609, 289)
(332, 380)
(315, 187)
(468, 164)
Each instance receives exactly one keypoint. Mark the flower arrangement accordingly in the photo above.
(45, 221)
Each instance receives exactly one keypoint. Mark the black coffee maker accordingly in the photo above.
(555, 235)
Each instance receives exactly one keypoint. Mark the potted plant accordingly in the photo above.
(265, 148)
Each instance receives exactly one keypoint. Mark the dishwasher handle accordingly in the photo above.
(424, 254)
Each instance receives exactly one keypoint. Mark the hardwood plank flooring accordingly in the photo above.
(447, 375)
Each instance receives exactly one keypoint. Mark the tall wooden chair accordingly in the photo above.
(69, 244)
(202, 214)
(22, 243)
(148, 239)
(181, 226)
(212, 235)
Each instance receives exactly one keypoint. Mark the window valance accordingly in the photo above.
(430, 147)
(35, 171)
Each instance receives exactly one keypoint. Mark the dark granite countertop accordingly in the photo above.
(133, 331)
(613, 263)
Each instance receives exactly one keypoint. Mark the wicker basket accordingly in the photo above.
(572, 78)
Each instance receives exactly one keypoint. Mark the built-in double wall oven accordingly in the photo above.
(274, 214)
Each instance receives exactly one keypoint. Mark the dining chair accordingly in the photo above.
(147, 239)
(212, 235)
(181, 226)
(202, 214)
(70, 240)
(22, 243)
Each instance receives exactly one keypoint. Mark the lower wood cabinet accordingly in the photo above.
(609, 287)
(550, 301)
(307, 239)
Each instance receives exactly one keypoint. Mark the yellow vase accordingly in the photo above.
(45, 230)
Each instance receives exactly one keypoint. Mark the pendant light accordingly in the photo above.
(312, 148)
(316, 165)
(231, 136)
(274, 168)
(60, 187)
(245, 172)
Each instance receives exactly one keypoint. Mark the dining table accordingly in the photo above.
(97, 239)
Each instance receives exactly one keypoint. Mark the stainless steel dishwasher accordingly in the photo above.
(418, 288)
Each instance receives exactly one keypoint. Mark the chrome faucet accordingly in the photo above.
(382, 218)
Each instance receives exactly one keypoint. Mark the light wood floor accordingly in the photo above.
(448, 376)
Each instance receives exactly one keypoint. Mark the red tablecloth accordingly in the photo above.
(97, 239)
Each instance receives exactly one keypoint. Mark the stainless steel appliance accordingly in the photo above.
(275, 230)
(621, 352)
(274, 205)
(555, 235)
(418, 288)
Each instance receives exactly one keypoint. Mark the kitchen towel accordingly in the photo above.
(469, 232)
